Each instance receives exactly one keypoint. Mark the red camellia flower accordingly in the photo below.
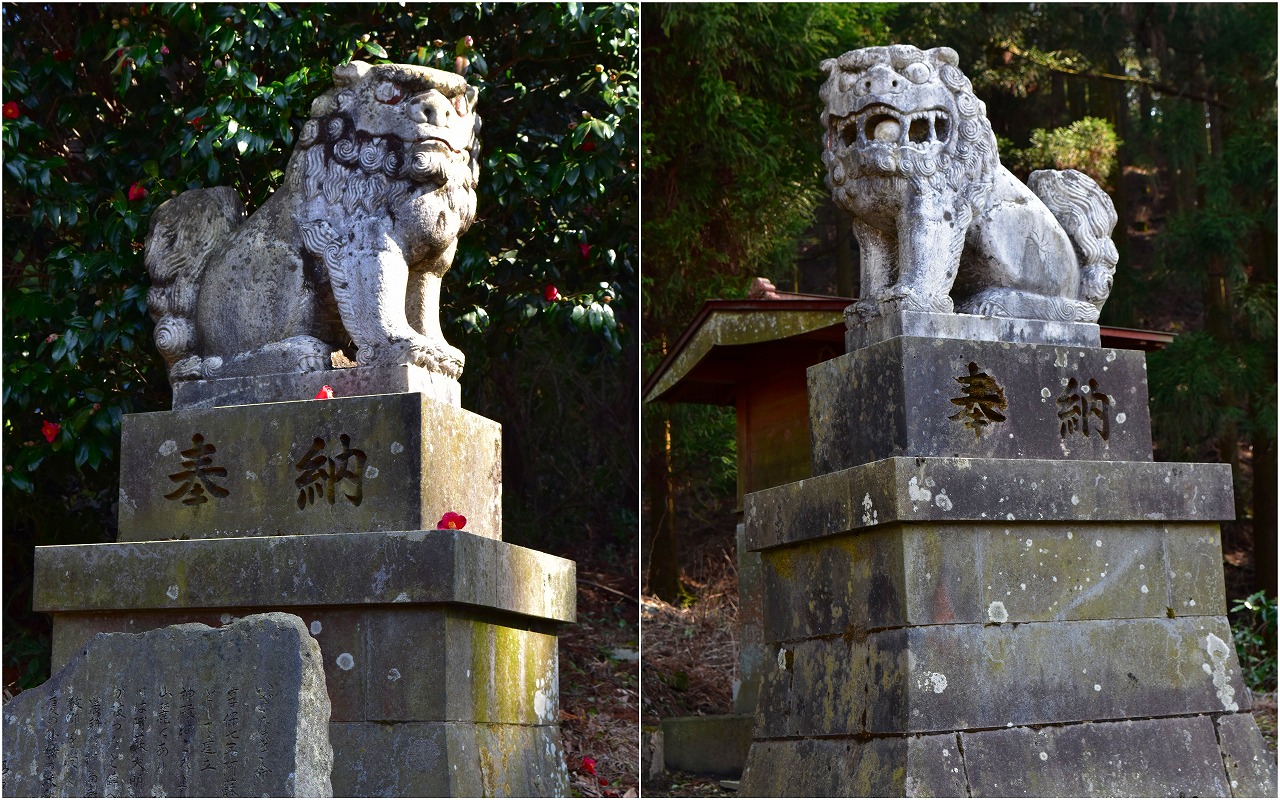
(11, 110)
(62, 55)
(325, 393)
(136, 192)
(585, 250)
(451, 521)
(587, 145)
(589, 765)
(50, 430)
(551, 293)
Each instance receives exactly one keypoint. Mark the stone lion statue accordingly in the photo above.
(911, 156)
(347, 255)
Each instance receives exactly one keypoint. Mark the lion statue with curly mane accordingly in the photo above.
(940, 224)
(346, 256)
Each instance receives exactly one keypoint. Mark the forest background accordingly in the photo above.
(1171, 107)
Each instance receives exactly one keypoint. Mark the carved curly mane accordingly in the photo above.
(374, 174)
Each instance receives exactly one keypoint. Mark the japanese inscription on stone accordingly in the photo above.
(982, 400)
(197, 474)
(319, 475)
(1082, 408)
(251, 716)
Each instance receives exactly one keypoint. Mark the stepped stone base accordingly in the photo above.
(1182, 757)
(439, 647)
(1017, 659)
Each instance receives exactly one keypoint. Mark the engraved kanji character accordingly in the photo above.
(196, 474)
(982, 401)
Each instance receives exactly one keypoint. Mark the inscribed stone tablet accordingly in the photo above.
(183, 711)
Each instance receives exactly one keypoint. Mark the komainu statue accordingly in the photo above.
(911, 156)
(347, 255)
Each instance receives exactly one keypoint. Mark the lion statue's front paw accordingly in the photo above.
(433, 355)
(864, 310)
(908, 298)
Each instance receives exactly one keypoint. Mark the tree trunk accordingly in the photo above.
(664, 553)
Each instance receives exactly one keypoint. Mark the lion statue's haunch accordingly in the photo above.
(911, 156)
(349, 251)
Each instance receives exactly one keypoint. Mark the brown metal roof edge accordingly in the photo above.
(788, 302)
(1139, 334)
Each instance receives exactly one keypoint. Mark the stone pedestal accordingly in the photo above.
(989, 588)
(439, 646)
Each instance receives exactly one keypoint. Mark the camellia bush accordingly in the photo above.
(110, 110)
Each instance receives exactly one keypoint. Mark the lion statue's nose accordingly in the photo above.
(883, 80)
(433, 108)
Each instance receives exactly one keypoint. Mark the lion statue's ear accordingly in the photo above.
(945, 55)
(828, 65)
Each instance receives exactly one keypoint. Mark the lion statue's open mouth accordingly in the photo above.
(346, 255)
(911, 156)
(884, 124)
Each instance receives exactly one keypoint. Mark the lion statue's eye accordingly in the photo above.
(918, 72)
(388, 92)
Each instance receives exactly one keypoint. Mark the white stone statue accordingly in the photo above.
(348, 251)
(911, 156)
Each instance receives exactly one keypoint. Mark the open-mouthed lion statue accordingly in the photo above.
(348, 251)
(911, 156)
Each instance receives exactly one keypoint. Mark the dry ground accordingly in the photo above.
(599, 688)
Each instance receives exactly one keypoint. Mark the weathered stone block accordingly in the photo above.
(750, 627)
(186, 710)
(957, 677)
(827, 690)
(1139, 758)
(931, 574)
(916, 766)
(377, 463)
(1251, 767)
(448, 760)
(949, 398)
(438, 566)
(849, 582)
(986, 490)
(970, 327)
(715, 745)
(773, 710)
(1196, 581)
(284, 387)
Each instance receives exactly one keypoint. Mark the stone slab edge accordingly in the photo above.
(971, 327)
(350, 382)
(986, 490)
(309, 570)
(714, 745)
